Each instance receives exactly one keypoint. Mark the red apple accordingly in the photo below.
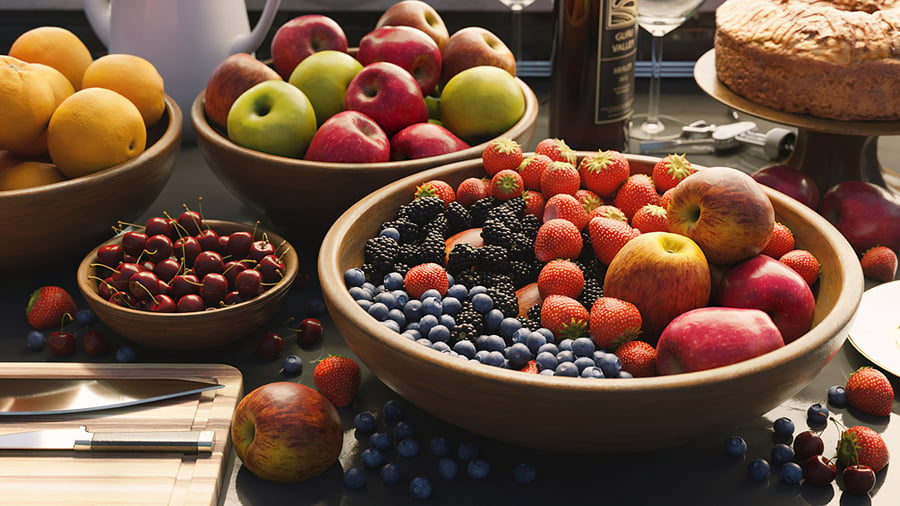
(416, 14)
(285, 432)
(473, 46)
(388, 94)
(763, 283)
(407, 47)
(723, 210)
(421, 140)
(709, 337)
(866, 214)
(303, 36)
(791, 182)
(350, 137)
(235, 75)
(663, 274)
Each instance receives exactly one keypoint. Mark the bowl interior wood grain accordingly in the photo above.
(598, 416)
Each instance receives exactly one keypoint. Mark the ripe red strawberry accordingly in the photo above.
(534, 203)
(565, 317)
(557, 150)
(532, 168)
(507, 184)
(588, 199)
(663, 199)
(437, 188)
(604, 172)
(870, 391)
(557, 238)
(638, 358)
(501, 154)
(560, 177)
(471, 190)
(650, 218)
(861, 445)
(608, 211)
(804, 263)
(636, 192)
(567, 207)
(560, 277)
(614, 322)
(424, 277)
(337, 378)
(608, 236)
(671, 170)
(781, 242)
(530, 367)
(48, 305)
(879, 263)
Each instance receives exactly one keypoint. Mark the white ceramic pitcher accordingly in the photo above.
(184, 39)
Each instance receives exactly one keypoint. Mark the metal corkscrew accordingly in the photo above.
(777, 143)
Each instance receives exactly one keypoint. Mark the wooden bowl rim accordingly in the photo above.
(335, 292)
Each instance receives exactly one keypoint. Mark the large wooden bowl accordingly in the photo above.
(311, 195)
(204, 330)
(62, 221)
(573, 414)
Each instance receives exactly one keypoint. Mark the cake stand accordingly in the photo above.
(829, 151)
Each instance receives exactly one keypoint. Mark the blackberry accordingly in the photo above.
(505, 300)
(522, 272)
(492, 258)
(458, 217)
(468, 316)
(511, 211)
(423, 209)
(410, 254)
(587, 250)
(434, 248)
(374, 274)
(381, 252)
(438, 224)
(464, 332)
(534, 313)
(479, 210)
(521, 247)
(462, 256)
(530, 324)
(409, 231)
(529, 225)
(402, 268)
(468, 277)
(496, 233)
(593, 290)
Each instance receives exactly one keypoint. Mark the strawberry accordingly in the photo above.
(671, 170)
(507, 184)
(604, 172)
(636, 192)
(870, 391)
(781, 242)
(530, 367)
(614, 322)
(588, 199)
(557, 238)
(501, 154)
(861, 445)
(557, 150)
(804, 263)
(650, 218)
(638, 358)
(48, 305)
(560, 177)
(560, 277)
(664, 199)
(337, 378)
(879, 263)
(534, 203)
(437, 188)
(567, 207)
(565, 317)
(608, 211)
(424, 277)
(608, 236)
(532, 168)
(471, 190)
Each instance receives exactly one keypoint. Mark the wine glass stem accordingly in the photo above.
(656, 50)
(517, 31)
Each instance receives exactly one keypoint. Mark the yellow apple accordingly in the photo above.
(323, 77)
(481, 103)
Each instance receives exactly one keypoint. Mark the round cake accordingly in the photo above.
(836, 59)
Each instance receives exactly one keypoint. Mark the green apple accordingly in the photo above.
(481, 103)
(274, 117)
(323, 77)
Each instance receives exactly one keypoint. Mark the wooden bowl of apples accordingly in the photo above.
(83, 210)
(213, 310)
(595, 415)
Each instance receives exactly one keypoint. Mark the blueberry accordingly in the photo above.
(411, 334)
(447, 321)
(817, 414)
(126, 354)
(481, 355)
(403, 430)
(391, 324)
(565, 356)
(735, 446)
(549, 347)
(791, 473)
(354, 277)
(546, 360)
(413, 310)
(391, 232)
(495, 358)
(291, 365)
(482, 302)
(447, 468)
(609, 363)
(360, 293)
(518, 355)
(431, 292)
(372, 458)
(370, 287)
(432, 306)
(520, 335)
(467, 450)
(534, 341)
(439, 333)
(492, 320)
(364, 422)
(566, 369)
(475, 290)
(364, 303)
(837, 396)
(547, 333)
(524, 472)
(393, 281)
(379, 311)
(490, 342)
(625, 375)
(35, 340)
(393, 410)
(783, 426)
(398, 316)
(390, 474)
(439, 446)
(315, 307)
(592, 371)
(420, 487)
(84, 317)
(583, 363)
(457, 291)
(388, 299)
(759, 469)
(401, 296)
(441, 346)
(566, 344)
(355, 478)
(583, 347)
(509, 325)
(465, 348)
(781, 453)
(426, 323)
(408, 448)
(451, 306)
(478, 468)
(380, 441)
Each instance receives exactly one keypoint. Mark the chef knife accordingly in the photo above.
(48, 396)
(80, 439)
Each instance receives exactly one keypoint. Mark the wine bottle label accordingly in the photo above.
(616, 51)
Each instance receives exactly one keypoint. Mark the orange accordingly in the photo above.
(28, 175)
(27, 100)
(56, 47)
(62, 88)
(133, 77)
(93, 129)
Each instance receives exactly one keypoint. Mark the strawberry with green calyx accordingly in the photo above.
(781, 242)
(557, 238)
(671, 170)
(436, 188)
(337, 378)
(608, 211)
(604, 172)
(638, 358)
(861, 445)
(565, 317)
(637, 191)
(870, 391)
(424, 277)
(804, 262)
(560, 177)
(48, 305)
(532, 168)
(557, 150)
(588, 200)
(507, 184)
(501, 154)
(560, 277)
(614, 322)
(879, 263)
(650, 218)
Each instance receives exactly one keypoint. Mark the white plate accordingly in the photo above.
(876, 330)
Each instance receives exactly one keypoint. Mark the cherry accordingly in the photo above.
(95, 343)
(106, 288)
(207, 262)
(248, 283)
(158, 247)
(213, 288)
(191, 222)
(122, 298)
(309, 332)
(143, 285)
(190, 303)
(270, 345)
(209, 240)
(232, 269)
(147, 265)
(61, 343)
(124, 273)
(184, 284)
(187, 248)
(808, 444)
(261, 248)
(162, 303)
(223, 244)
(133, 242)
(239, 244)
(167, 269)
(232, 298)
(160, 225)
(819, 471)
(859, 479)
(272, 268)
(110, 255)
(129, 259)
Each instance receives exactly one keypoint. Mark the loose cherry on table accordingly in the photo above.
(819, 471)
(270, 345)
(95, 343)
(859, 479)
(808, 444)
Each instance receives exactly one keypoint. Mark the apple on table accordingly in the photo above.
(303, 36)
(866, 214)
(232, 77)
(388, 94)
(416, 14)
(349, 137)
(791, 181)
(410, 48)
(274, 117)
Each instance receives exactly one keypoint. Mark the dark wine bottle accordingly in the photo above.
(592, 79)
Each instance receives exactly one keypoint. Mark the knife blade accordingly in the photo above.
(50, 396)
(80, 439)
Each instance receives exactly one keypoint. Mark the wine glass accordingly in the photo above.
(517, 6)
(659, 17)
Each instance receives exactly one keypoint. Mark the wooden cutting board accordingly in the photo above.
(61, 477)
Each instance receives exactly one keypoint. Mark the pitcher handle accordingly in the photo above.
(250, 42)
(99, 14)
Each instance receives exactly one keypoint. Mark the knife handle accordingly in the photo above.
(197, 441)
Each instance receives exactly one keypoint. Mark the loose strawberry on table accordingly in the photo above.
(48, 305)
(337, 378)
(879, 263)
(870, 391)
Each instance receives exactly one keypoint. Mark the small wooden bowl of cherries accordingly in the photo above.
(188, 283)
